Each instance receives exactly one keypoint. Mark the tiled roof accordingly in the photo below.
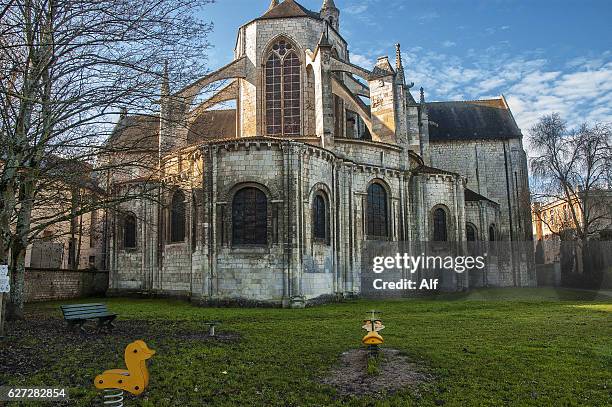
(289, 8)
(136, 133)
(140, 133)
(476, 119)
(213, 124)
(472, 196)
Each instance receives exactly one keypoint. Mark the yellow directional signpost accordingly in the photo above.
(134, 379)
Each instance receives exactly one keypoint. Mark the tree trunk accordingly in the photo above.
(3, 297)
(18, 250)
(17, 273)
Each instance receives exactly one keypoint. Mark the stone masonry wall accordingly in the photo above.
(482, 162)
(49, 285)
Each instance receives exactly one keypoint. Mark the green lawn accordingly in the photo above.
(490, 348)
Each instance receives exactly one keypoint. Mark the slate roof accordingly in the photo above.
(473, 196)
(289, 8)
(140, 133)
(137, 133)
(476, 119)
(213, 124)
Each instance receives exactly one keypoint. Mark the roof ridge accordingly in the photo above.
(468, 100)
(287, 9)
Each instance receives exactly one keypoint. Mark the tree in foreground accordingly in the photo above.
(67, 69)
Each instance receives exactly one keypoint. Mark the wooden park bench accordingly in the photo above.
(79, 314)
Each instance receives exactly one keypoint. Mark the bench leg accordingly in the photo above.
(72, 326)
(106, 323)
(100, 325)
(110, 323)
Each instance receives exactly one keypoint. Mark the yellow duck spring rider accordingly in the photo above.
(133, 380)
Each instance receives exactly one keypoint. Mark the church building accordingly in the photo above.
(273, 201)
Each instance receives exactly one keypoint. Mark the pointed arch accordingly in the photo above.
(283, 88)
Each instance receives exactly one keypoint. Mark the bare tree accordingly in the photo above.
(571, 167)
(67, 69)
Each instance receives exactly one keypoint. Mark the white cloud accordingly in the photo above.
(448, 44)
(579, 89)
(427, 16)
(355, 9)
(362, 61)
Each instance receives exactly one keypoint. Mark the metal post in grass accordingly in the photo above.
(211, 327)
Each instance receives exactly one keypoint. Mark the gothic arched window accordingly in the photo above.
(492, 233)
(440, 233)
(319, 218)
(129, 231)
(470, 233)
(177, 217)
(377, 211)
(282, 75)
(250, 217)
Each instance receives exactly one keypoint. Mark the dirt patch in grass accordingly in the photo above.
(394, 372)
(32, 343)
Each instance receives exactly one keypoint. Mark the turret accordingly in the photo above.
(424, 128)
(383, 96)
(331, 14)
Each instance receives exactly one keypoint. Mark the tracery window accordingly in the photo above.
(439, 222)
(250, 217)
(377, 217)
(283, 106)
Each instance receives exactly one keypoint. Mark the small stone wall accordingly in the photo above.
(57, 284)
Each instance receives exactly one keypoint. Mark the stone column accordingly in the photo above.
(324, 99)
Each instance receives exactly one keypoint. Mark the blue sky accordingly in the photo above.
(544, 56)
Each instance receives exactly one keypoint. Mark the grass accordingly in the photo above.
(527, 347)
(373, 367)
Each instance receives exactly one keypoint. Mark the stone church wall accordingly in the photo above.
(363, 152)
(252, 272)
(483, 164)
(134, 269)
(317, 259)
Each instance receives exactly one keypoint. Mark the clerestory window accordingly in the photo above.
(282, 77)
